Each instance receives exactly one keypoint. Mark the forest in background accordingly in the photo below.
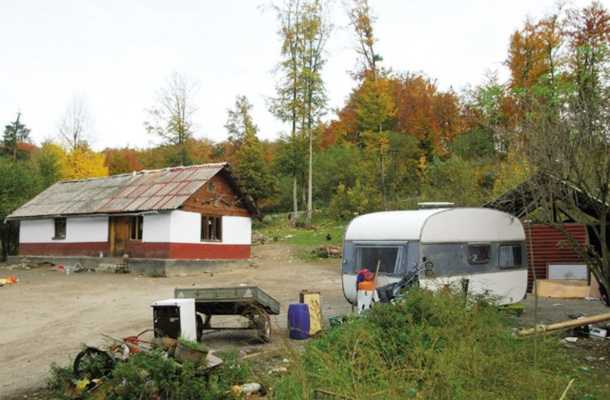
(397, 141)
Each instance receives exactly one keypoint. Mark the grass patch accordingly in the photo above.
(436, 346)
(278, 227)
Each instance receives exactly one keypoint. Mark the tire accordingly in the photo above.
(200, 326)
(262, 324)
(93, 363)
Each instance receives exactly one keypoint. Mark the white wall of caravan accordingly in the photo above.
(78, 230)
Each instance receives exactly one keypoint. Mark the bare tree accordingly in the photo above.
(172, 117)
(76, 127)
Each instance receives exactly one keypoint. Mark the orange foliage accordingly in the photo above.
(122, 161)
(431, 116)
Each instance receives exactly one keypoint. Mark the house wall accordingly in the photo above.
(176, 235)
(85, 236)
(548, 245)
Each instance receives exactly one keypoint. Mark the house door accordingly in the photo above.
(119, 235)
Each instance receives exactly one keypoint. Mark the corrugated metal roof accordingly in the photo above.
(164, 189)
(550, 246)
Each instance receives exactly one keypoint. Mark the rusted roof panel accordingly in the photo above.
(550, 246)
(165, 189)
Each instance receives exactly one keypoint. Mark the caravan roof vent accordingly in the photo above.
(436, 204)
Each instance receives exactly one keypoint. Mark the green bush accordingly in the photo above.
(153, 375)
(431, 346)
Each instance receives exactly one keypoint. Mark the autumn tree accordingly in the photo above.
(46, 160)
(301, 99)
(123, 160)
(568, 140)
(250, 164)
(15, 134)
(375, 107)
(171, 118)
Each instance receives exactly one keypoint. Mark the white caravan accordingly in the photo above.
(477, 249)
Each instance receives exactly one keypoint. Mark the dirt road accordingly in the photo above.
(48, 315)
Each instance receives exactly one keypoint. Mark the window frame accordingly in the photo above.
(60, 228)
(210, 232)
(136, 228)
(473, 259)
(400, 249)
(520, 255)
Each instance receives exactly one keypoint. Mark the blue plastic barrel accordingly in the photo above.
(298, 321)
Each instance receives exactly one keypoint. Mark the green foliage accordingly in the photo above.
(57, 381)
(251, 167)
(474, 145)
(192, 344)
(454, 180)
(153, 375)
(20, 182)
(14, 134)
(341, 163)
(430, 346)
(47, 163)
(350, 202)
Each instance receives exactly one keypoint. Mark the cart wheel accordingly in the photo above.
(262, 323)
(93, 363)
(199, 327)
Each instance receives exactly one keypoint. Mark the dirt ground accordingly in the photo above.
(48, 315)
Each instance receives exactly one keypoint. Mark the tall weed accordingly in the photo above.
(428, 345)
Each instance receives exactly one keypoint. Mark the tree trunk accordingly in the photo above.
(295, 200)
(310, 183)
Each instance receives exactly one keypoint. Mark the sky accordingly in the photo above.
(115, 54)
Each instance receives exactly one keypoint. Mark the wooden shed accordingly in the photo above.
(561, 246)
(199, 212)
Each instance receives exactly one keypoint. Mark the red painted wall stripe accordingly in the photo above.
(58, 248)
(173, 251)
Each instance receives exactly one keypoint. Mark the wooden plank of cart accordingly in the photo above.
(249, 302)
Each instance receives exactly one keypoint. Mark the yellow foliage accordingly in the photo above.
(421, 169)
(512, 172)
(82, 163)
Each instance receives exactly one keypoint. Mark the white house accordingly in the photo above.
(199, 212)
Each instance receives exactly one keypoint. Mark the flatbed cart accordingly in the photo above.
(247, 301)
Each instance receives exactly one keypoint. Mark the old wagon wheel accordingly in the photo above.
(93, 363)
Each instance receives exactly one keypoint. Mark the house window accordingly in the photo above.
(479, 253)
(136, 225)
(211, 229)
(60, 228)
(509, 256)
(211, 187)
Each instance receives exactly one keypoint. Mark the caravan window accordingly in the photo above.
(479, 253)
(509, 256)
(370, 256)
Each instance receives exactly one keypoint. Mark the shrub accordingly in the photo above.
(432, 346)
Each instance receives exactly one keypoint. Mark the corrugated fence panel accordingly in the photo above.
(549, 245)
